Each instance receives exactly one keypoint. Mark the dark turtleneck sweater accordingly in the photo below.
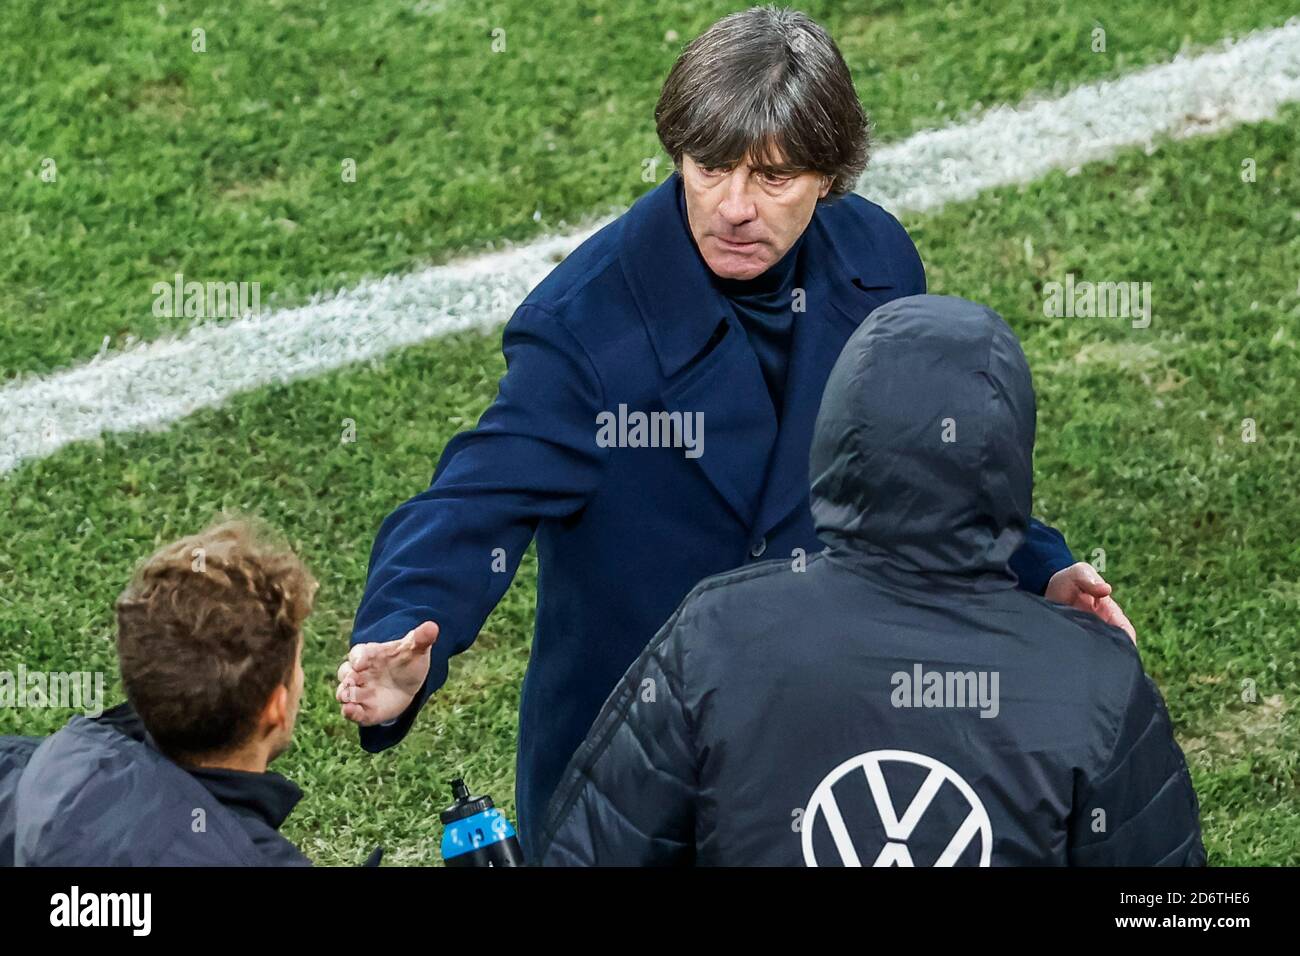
(764, 307)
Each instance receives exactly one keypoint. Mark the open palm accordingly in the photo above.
(378, 681)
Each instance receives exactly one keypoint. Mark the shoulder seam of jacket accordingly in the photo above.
(563, 325)
(579, 283)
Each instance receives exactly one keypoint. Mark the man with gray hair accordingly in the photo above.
(724, 294)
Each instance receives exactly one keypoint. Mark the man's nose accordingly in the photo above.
(737, 207)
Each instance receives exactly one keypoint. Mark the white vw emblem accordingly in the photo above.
(898, 830)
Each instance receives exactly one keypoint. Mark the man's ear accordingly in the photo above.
(827, 183)
(276, 712)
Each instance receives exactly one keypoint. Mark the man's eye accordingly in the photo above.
(772, 179)
(713, 170)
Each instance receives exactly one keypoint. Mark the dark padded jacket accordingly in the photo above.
(895, 699)
(96, 793)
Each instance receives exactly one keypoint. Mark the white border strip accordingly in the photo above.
(156, 384)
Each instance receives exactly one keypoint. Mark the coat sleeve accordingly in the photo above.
(1043, 553)
(628, 797)
(1139, 809)
(448, 554)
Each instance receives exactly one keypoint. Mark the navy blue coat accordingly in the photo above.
(623, 534)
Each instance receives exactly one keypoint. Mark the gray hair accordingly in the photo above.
(764, 80)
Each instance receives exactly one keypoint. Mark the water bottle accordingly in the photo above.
(477, 833)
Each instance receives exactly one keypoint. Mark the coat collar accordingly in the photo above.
(763, 474)
(680, 307)
(266, 796)
(670, 282)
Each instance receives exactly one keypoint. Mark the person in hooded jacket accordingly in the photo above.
(895, 699)
(209, 640)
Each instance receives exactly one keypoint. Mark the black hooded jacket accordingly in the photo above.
(98, 793)
(894, 699)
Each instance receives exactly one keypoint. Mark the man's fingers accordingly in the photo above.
(366, 657)
(359, 657)
(421, 638)
(1111, 613)
(348, 691)
(354, 712)
(348, 675)
(1090, 581)
(359, 713)
(1083, 588)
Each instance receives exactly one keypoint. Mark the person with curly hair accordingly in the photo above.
(209, 640)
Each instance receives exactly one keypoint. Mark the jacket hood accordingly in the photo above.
(922, 456)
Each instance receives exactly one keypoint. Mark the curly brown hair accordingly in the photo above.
(207, 629)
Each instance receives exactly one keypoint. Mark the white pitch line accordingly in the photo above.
(155, 384)
(1242, 82)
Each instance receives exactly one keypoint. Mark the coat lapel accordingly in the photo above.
(739, 425)
(837, 300)
(703, 354)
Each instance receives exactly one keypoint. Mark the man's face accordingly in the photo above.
(745, 218)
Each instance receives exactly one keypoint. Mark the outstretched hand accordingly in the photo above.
(378, 681)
